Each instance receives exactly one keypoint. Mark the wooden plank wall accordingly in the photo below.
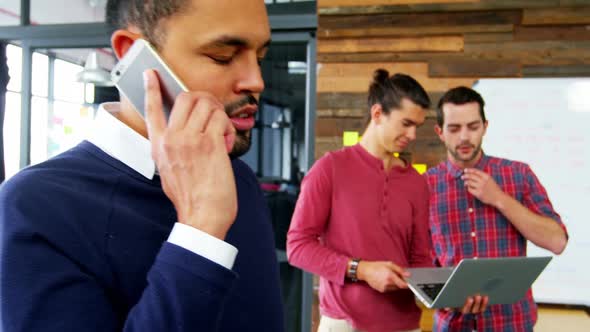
(443, 44)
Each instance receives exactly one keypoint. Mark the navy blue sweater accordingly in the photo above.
(84, 249)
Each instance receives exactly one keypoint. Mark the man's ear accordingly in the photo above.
(376, 113)
(121, 41)
(439, 131)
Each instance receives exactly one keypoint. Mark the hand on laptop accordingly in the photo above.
(382, 276)
(474, 304)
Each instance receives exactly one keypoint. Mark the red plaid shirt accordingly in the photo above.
(463, 227)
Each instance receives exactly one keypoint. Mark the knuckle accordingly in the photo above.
(185, 96)
(200, 94)
(169, 143)
(214, 102)
(220, 113)
(184, 146)
(219, 116)
(167, 147)
(206, 145)
(203, 96)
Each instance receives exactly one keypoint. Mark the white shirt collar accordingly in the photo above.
(121, 142)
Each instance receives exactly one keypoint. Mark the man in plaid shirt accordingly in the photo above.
(483, 206)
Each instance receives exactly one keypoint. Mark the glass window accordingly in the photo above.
(58, 121)
(65, 86)
(9, 12)
(12, 133)
(39, 129)
(66, 125)
(61, 118)
(40, 84)
(14, 55)
(78, 11)
(89, 93)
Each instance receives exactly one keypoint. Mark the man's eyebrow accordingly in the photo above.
(225, 41)
(468, 124)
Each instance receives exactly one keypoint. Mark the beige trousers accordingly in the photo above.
(328, 324)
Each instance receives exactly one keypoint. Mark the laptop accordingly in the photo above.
(505, 280)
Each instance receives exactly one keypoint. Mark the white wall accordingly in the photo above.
(546, 123)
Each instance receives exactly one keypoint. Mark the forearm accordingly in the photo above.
(185, 292)
(307, 253)
(540, 230)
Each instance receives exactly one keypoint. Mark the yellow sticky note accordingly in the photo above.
(84, 112)
(350, 138)
(420, 168)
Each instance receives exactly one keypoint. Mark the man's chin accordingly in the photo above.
(241, 145)
(465, 158)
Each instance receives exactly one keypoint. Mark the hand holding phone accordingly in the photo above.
(190, 136)
(191, 153)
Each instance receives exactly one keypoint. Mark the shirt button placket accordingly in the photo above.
(384, 198)
(473, 229)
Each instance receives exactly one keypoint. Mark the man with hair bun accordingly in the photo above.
(362, 217)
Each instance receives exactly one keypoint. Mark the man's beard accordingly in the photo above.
(471, 157)
(241, 144)
(243, 138)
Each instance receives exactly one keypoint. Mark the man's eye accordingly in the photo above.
(221, 60)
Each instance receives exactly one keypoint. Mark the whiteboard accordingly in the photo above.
(546, 123)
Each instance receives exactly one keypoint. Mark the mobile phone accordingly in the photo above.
(128, 76)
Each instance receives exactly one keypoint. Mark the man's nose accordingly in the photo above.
(250, 76)
(411, 134)
(464, 134)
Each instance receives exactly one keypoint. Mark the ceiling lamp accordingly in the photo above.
(92, 73)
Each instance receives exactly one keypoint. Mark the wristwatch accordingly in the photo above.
(352, 269)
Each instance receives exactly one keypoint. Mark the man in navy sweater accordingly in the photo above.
(138, 228)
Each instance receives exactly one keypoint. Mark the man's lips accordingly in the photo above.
(465, 148)
(243, 119)
(403, 144)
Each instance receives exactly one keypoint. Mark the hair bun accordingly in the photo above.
(380, 75)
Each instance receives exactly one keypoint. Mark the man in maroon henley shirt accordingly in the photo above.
(362, 217)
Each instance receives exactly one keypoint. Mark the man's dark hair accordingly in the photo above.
(389, 91)
(459, 96)
(144, 14)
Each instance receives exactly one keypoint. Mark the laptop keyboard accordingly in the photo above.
(431, 290)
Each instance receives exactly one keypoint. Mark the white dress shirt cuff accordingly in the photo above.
(203, 244)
